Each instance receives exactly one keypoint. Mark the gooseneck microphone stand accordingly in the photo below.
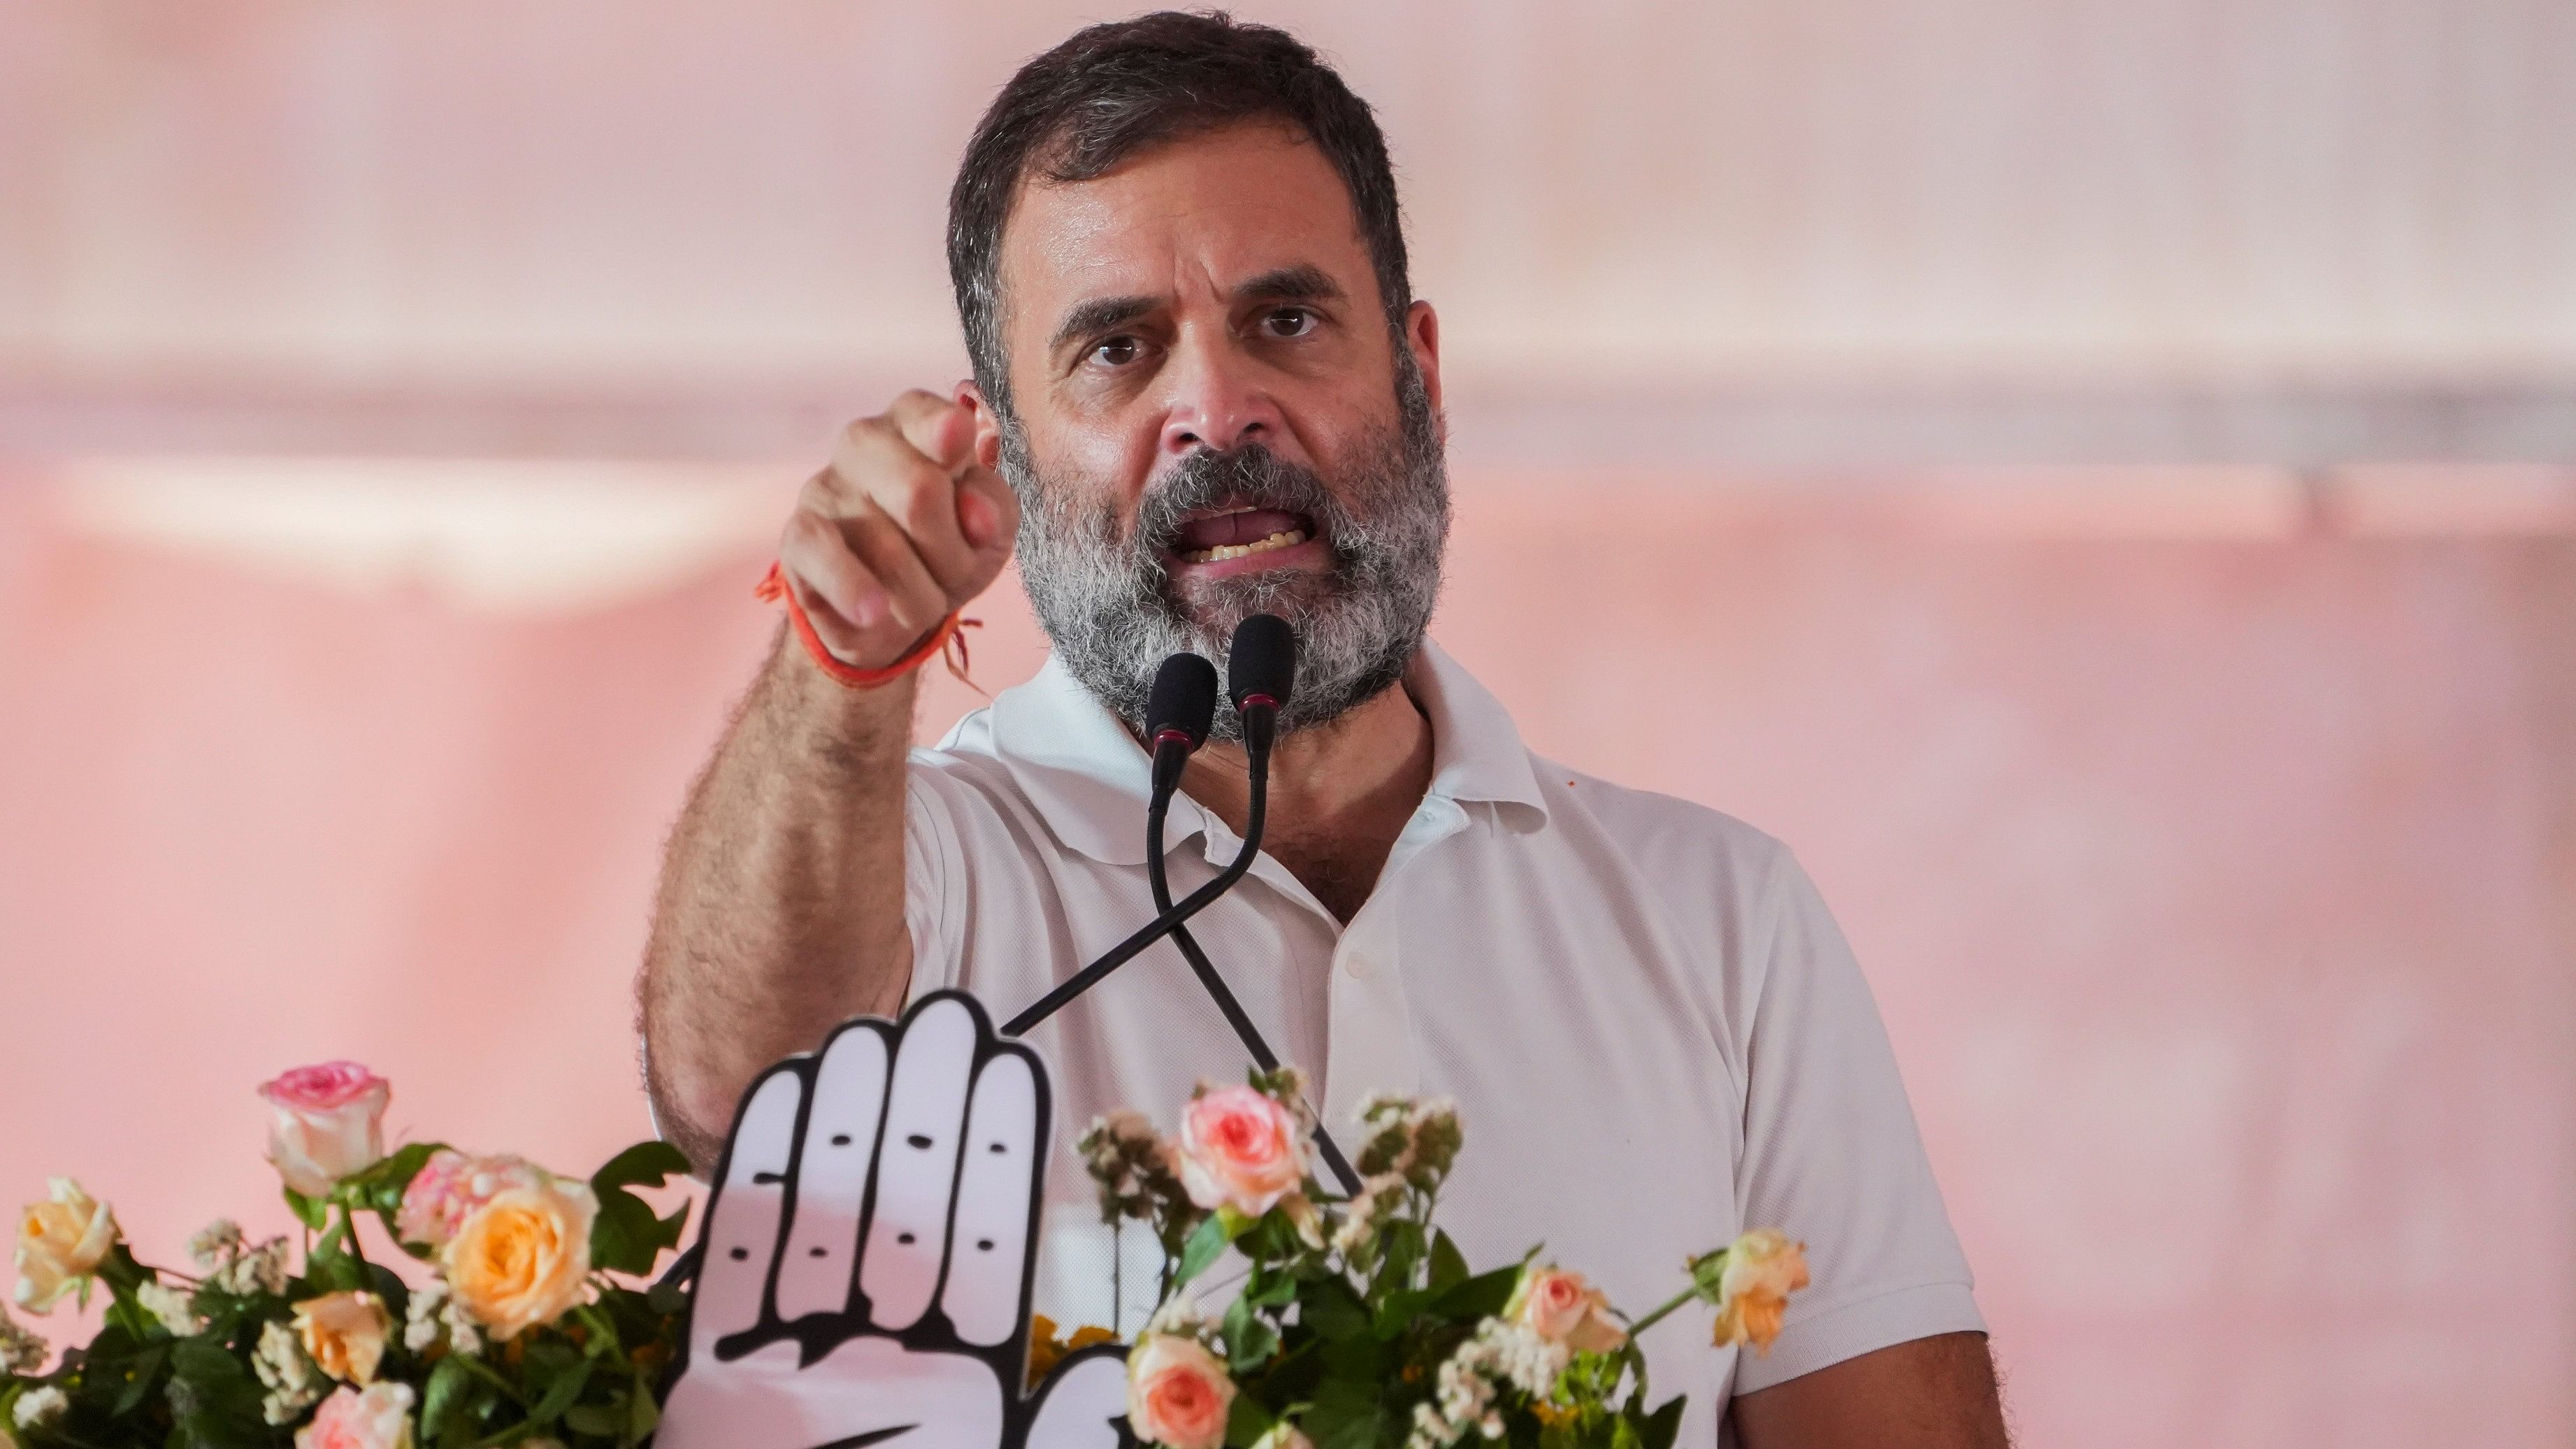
(1179, 712)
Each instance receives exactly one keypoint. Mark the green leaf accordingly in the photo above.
(1346, 1414)
(445, 1394)
(313, 1212)
(598, 1421)
(379, 1188)
(1249, 1338)
(1448, 1265)
(560, 1395)
(646, 1164)
(1481, 1296)
(1202, 1248)
(1246, 1422)
(1277, 1292)
(641, 1412)
(142, 1374)
(1332, 1310)
(626, 1237)
(330, 1266)
(1663, 1426)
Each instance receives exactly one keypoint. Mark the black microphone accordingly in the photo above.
(1178, 715)
(1260, 671)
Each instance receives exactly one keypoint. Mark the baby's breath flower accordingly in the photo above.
(21, 1352)
(1179, 1316)
(254, 1270)
(1500, 1353)
(175, 1307)
(1363, 1215)
(216, 1245)
(292, 1381)
(1132, 1165)
(434, 1311)
(41, 1406)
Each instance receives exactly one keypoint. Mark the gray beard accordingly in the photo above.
(1108, 605)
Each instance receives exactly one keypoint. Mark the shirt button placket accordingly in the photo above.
(1371, 1033)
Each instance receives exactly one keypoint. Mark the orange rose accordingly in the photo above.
(61, 1241)
(1762, 1269)
(344, 1334)
(521, 1259)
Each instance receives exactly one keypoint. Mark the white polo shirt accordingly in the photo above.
(1654, 1032)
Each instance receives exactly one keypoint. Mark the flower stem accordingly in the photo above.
(1662, 1312)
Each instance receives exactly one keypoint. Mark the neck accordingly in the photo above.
(1340, 793)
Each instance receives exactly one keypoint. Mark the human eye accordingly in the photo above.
(1285, 323)
(1116, 351)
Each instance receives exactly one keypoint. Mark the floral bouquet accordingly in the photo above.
(1358, 1324)
(518, 1336)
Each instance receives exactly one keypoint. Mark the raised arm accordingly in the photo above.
(781, 909)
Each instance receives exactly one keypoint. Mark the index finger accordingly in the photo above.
(938, 429)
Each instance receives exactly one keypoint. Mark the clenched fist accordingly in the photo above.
(907, 525)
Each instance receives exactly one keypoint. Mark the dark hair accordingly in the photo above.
(1116, 89)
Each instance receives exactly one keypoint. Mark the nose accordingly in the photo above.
(1215, 399)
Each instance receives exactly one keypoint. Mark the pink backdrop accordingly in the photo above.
(2215, 891)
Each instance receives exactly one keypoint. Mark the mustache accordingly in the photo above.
(1248, 476)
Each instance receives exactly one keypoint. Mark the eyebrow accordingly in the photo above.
(1303, 282)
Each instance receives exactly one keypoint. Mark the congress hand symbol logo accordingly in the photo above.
(866, 1259)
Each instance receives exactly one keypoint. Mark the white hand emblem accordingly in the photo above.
(865, 1267)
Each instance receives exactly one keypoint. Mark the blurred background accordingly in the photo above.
(2098, 479)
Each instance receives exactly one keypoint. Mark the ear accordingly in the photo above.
(988, 425)
(1422, 334)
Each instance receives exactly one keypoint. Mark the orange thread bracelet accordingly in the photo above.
(946, 639)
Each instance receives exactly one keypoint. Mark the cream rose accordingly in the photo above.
(1177, 1393)
(1283, 1435)
(329, 1123)
(521, 1259)
(344, 1334)
(450, 1186)
(1565, 1308)
(1240, 1148)
(60, 1243)
(1763, 1268)
(378, 1417)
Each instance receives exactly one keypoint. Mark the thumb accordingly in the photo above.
(987, 513)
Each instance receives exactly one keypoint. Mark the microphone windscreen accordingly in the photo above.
(1262, 660)
(1184, 699)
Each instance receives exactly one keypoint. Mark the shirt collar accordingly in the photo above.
(1088, 779)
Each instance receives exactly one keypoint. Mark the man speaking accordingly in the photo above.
(1204, 389)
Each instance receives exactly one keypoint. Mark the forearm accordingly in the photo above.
(781, 908)
(1931, 1393)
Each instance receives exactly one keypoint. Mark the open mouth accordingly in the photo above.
(1238, 532)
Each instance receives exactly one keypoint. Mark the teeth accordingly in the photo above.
(1289, 539)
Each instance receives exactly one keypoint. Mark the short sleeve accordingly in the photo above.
(1832, 1154)
(934, 873)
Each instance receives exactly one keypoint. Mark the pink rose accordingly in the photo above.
(1177, 1393)
(378, 1417)
(450, 1186)
(1240, 1148)
(329, 1123)
(1564, 1307)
